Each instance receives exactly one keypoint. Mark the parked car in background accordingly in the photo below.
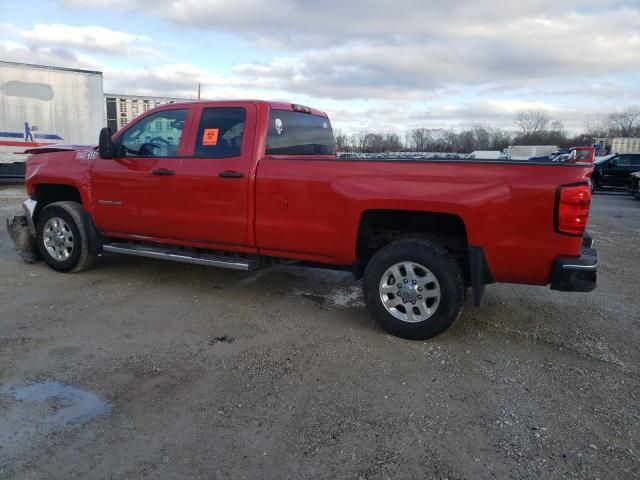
(564, 157)
(634, 184)
(582, 155)
(561, 154)
(615, 170)
(571, 155)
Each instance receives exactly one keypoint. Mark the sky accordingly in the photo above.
(371, 65)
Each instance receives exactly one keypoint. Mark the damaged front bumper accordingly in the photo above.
(22, 230)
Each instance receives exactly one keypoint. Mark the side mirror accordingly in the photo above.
(105, 146)
(613, 162)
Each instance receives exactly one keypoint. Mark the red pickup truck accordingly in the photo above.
(237, 184)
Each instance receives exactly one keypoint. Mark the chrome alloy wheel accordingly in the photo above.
(410, 292)
(58, 239)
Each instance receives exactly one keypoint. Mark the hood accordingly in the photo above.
(59, 148)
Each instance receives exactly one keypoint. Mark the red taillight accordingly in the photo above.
(572, 209)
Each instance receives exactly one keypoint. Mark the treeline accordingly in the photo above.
(532, 127)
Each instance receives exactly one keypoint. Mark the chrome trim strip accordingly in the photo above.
(29, 206)
(211, 262)
(582, 267)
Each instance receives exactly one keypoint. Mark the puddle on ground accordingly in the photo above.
(350, 297)
(30, 413)
(342, 297)
(72, 405)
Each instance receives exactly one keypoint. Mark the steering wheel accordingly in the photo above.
(148, 149)
(159, 139)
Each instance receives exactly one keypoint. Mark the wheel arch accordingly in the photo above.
(381, 227)
(47, 193)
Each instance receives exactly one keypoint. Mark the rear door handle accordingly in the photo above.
(231, 174)
(163, 172)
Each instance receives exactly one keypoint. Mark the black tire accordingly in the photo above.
(596, 181)
(80, 257)
(443, 267)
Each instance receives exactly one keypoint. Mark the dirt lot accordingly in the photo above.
(144, 369)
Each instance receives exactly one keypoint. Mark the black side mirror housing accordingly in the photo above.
(105, 145)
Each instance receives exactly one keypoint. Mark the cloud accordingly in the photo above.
(180, 80)
(399, 117)
(521, 51)
(12, 51)
(407, 49)
(301, 24)
(407, 63)
(90, 38)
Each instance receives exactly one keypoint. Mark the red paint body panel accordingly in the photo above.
(309, 208)
(507, 209)
(129, 199)
(214, 209)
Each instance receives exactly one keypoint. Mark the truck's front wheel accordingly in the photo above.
(413, 289)
(62, 237)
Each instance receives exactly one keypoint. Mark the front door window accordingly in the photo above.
(157, 135)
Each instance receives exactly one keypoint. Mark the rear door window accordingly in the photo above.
(297, 133)
(220, 132)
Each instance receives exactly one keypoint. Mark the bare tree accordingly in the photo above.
(342, 140)
(556, 134)
(532, 122)
(500, 139)
(625, 123)
(392, 142)
(417, 139)
(481, 137)
(442, 140)
(595, 126)
(465, 142)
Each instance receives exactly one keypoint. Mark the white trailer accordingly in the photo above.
(525, 152)
(625, 145)
(42, 105)
(486, 154)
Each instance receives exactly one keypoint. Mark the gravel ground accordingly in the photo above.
(144, 369)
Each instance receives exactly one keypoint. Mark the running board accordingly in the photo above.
(176, 255)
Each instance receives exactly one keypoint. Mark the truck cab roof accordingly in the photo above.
(272, 105)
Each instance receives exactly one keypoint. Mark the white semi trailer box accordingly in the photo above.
(524, 152)
(486, 154)
(42, 105)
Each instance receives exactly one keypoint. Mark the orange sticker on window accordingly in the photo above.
(210, 136)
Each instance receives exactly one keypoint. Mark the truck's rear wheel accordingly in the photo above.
(62, 238)
(413, 289)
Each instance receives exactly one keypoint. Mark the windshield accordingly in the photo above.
(603, 159)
